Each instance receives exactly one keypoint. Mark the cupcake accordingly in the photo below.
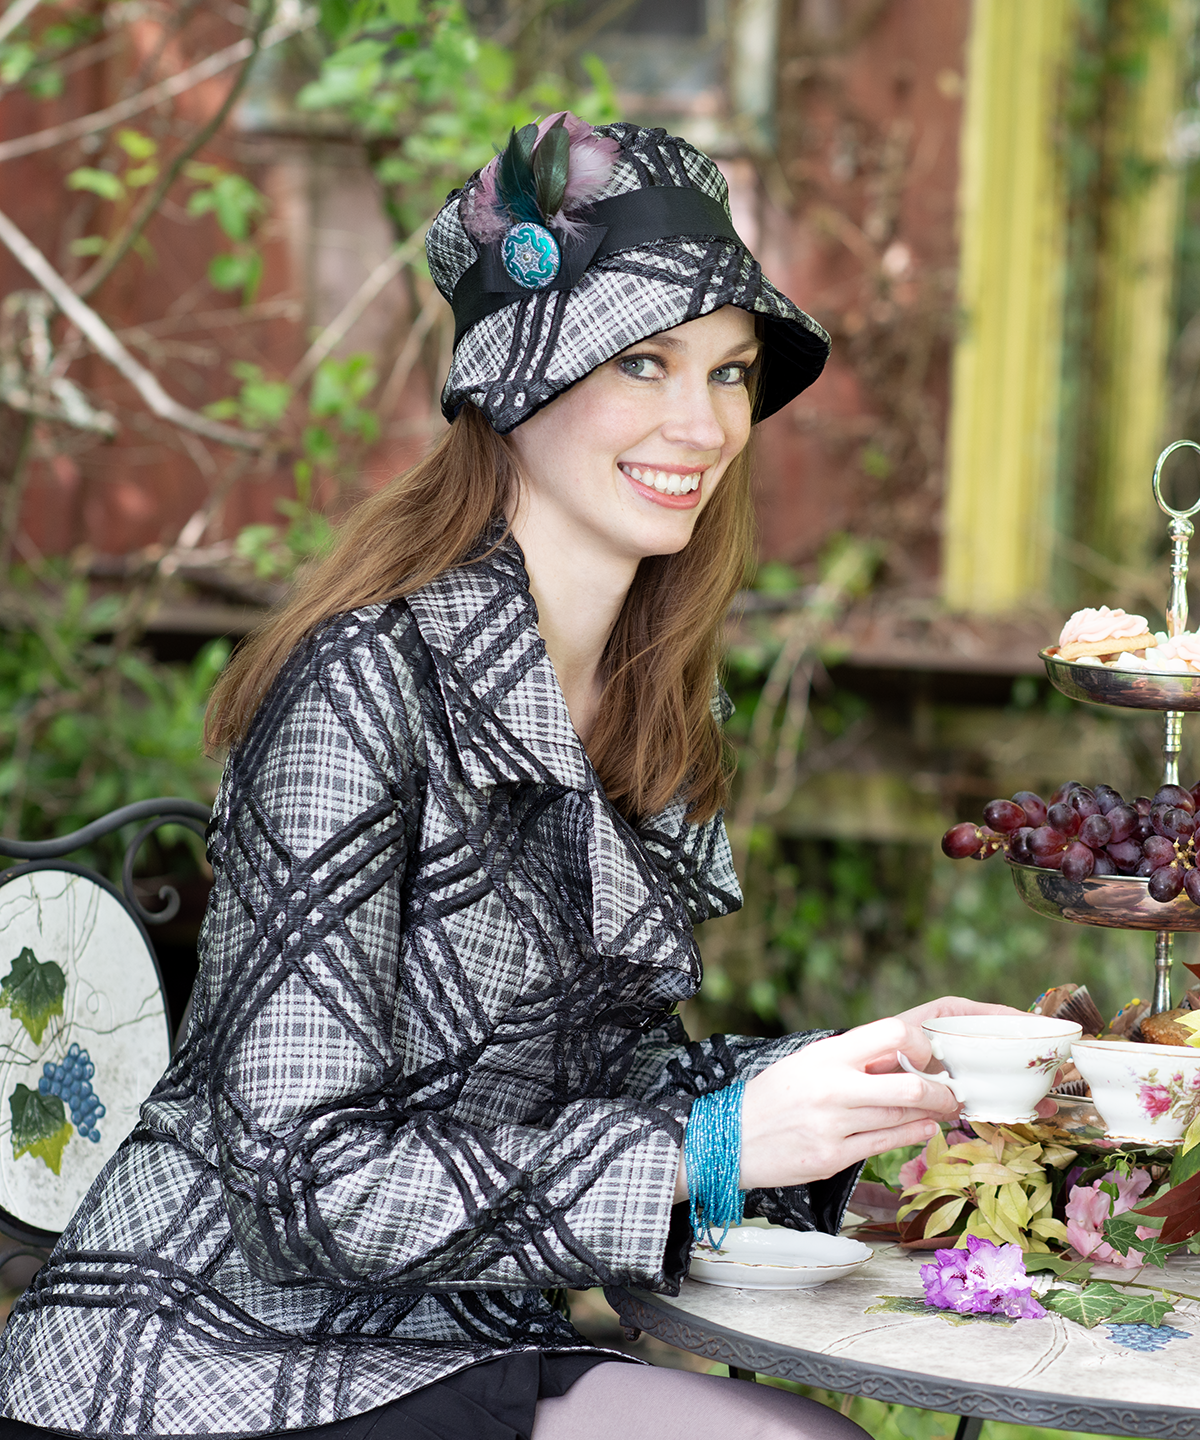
(1098, 633)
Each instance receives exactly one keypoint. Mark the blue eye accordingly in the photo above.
(638, 366)
(730, 375)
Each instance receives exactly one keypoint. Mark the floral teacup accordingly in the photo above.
(1143, 1092)
(1000, 1066)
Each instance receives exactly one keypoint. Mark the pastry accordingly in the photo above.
(1103, 632)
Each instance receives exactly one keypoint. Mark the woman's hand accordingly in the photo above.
(838, 1101)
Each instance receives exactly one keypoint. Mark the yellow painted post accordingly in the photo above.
(1007, 361)
(1135, 298)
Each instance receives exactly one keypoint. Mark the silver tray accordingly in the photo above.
(1121, 902)
(1132, 689)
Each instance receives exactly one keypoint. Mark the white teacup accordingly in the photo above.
(1000, 1066)
(1143, 1092)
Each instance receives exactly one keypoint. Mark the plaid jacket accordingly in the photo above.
(432, 1067)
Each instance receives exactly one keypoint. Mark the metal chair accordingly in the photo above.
(84, 1024)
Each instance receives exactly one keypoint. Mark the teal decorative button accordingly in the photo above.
(530, 255)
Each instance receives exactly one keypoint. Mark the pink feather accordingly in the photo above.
(590, 167)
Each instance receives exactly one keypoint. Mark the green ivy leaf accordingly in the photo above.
(33, 991)
(100, 182)
(1121, 1233)
(1100, 1302)
(39, 1126)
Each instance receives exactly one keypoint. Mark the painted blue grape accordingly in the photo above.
(70, 1080)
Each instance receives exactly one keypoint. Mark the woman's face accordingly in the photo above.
(630, 455)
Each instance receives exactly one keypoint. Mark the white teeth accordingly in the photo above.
(662, 481)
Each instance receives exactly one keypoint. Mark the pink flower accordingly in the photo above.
(1088, 1209)
(912, 1170)
(1156, 1100)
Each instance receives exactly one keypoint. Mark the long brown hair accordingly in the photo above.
(655, 731)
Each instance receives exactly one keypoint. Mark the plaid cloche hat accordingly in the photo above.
(575, 243)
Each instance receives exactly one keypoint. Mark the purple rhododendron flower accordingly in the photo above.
(983, 1279)
(1088, 1209)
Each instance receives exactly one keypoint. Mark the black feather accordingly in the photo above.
(551, 162)
(515, 184)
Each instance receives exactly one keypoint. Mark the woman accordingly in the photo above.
(471, 815)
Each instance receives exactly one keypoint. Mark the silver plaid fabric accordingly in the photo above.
(432, 1068)
(515, 361)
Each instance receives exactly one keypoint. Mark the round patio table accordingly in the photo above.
(871, 1334)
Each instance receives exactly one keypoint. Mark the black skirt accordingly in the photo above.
(494, 1400)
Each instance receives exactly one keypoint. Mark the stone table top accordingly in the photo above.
(871, 1334)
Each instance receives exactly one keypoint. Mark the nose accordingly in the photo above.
(692, 419)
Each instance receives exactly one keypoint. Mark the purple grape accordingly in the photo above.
(1064, 790)
(1084, 802)
(1145, 868)
(1175, 795)
(1047, 846)
(1178, 824)
(1194, 792)
(1191, 883)
(1166, 883)
(1033, 805)
(1125, 855)
(1095, 832)
(1142, 804)
(1159, 850)
(1123, 819)
(1004, 816)
(1078, 862)
(1108, 798)
(1158, 818)
(962, 840)
(1102, 865)
(1064, 818)
(1018, 846)
(1144, 828)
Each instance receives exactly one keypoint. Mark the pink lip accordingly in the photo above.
(671, 502)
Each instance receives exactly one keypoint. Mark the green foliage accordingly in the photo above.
(258, 404)
(87, 724)
(39, 1126)
(33, 991)
(339, 387)
(236, 205)
(1100, 1302)
(429, 96)
(100, 182)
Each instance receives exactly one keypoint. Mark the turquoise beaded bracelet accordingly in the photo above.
(712, 1152)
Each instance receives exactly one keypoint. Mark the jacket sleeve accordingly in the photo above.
(669, 1064)
(339, 1162)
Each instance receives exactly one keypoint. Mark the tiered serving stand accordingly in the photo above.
(1122, 902)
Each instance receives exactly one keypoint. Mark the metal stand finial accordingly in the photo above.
(1181, 531)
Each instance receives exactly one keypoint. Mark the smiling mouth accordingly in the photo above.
(665, 482)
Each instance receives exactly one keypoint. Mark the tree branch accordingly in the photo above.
(19, 10)
(155, 95)
(106, 343)
(154, 197)
(339, 326)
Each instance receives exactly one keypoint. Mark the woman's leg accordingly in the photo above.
(657, 1404)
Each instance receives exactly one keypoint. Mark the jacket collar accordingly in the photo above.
(480, 622)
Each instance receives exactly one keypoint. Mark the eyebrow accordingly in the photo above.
(669, 342)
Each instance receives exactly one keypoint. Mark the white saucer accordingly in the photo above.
(770, 1257)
